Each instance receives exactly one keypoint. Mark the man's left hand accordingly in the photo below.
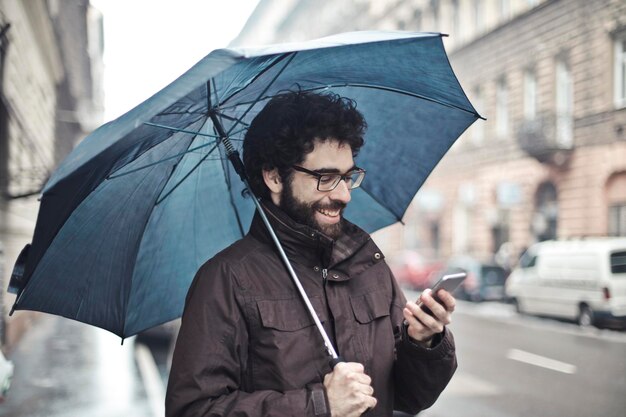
(421, 325)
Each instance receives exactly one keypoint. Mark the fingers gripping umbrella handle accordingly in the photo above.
(235, 160)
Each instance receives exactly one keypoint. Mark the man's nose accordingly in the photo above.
(341, 192)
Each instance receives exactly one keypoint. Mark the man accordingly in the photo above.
(248, 347)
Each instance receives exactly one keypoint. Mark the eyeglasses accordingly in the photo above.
(328, 182)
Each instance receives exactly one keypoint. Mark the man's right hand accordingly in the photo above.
(349, 390)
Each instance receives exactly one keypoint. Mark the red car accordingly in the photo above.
(412, 270)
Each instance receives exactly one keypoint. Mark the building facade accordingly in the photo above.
(50, 97)
(550, 78)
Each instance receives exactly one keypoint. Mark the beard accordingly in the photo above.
(304, 213)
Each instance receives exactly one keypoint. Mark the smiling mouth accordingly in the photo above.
(329, 213)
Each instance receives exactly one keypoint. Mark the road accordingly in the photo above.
(511, 365)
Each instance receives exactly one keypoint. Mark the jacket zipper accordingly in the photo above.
(330, 327)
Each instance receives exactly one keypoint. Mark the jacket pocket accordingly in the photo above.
(285, 352)
(289, 315)
(373, 331)
(370, 306)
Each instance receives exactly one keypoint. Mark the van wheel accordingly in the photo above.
(585, 317)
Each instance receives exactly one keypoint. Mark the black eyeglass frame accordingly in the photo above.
(344, 177)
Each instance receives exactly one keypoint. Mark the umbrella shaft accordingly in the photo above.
(294, 277)
(235, 160)
(231, 153)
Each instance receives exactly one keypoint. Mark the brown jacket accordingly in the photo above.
(247, 346)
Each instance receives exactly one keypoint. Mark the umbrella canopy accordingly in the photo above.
(145, 200)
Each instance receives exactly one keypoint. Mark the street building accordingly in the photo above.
(549, 76)
(51, 96)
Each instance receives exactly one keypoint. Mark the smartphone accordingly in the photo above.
(447, 282)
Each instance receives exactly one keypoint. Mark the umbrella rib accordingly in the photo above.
(175, 129)
(267, 87)
(190, 150)
(399, 91)
(178, 113)
(239, 121)
(217, 98)
(233, 119)
(160, 199)
(371, 86)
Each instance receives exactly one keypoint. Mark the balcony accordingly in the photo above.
(548, 138)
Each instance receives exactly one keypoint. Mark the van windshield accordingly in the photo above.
(618, 262)
(528, 260)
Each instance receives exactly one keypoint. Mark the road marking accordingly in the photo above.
(151, 379)
(541, 361)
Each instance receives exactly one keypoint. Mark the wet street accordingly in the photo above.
(67, 369)
(519, 366)
(509, 366)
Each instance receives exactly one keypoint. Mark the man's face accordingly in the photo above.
(300, 198)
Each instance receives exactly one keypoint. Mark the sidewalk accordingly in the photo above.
(68, 369)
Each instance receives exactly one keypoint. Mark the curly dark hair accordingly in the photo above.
(283, 133)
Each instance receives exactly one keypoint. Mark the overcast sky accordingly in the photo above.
(149, 43)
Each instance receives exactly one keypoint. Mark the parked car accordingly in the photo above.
(485, 281)
(582, 280)
(413, 270)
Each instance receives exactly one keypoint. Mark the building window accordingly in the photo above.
(505, 9)
(456, 16)
(530, 95)
(461, 237)
(545, 218)
(502, 110)
(620, 71)
(478, 129)
(564, 105)
(435, 238)
(616, 199)
(434, 7)
(478, 15)
(417, 19)
(617, 220)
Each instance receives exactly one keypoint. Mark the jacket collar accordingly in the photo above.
(304, 244)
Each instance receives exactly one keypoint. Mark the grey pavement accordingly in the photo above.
(68, 369)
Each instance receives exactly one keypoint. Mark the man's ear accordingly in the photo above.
(273, 181)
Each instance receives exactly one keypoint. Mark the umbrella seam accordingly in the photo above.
(280, 58)
(289, 58)
(458, 83)
(151, 147)
(138, 247)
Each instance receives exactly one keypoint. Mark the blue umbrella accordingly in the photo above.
(145, 200)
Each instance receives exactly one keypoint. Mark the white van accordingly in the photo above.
(582, 280)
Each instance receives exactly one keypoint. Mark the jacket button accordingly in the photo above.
(377, 256)
(316, 268)
(335, 276)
